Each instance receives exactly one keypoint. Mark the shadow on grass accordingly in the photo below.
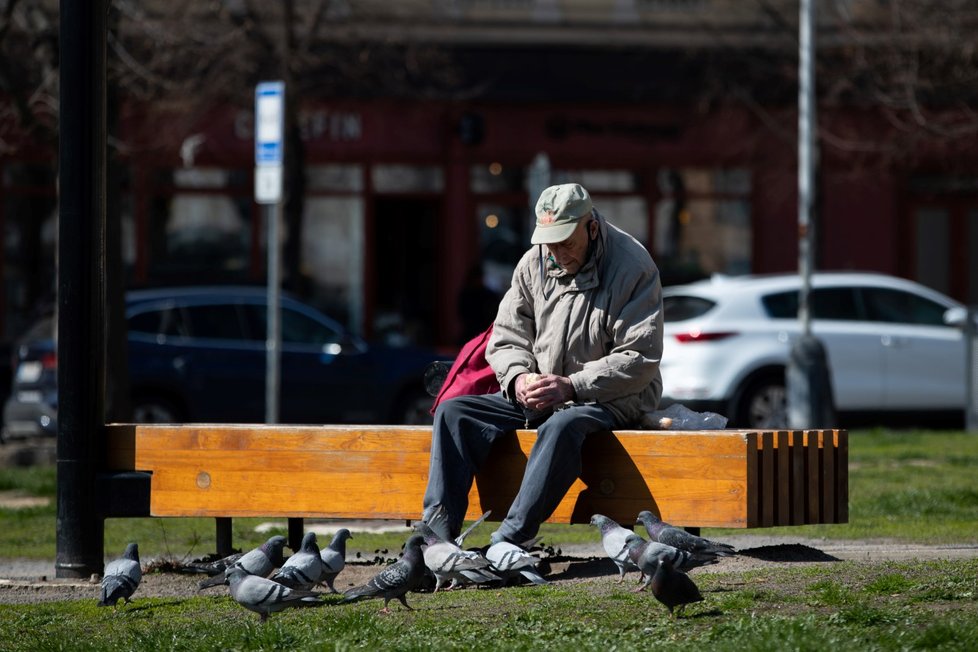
(792, 552)
(576, 569)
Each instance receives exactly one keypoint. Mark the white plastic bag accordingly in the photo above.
(680, 417)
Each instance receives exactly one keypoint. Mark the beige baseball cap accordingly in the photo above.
(558, 211)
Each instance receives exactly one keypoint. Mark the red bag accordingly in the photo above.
(470, 374)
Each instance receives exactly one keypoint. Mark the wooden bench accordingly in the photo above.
(718, 478)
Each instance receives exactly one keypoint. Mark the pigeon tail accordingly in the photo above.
(216, 580)
(533, 576)
(115, 588)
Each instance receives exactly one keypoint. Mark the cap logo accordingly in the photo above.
(546, 217)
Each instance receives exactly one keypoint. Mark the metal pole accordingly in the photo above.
(806, 153)
(809, 387)
(81, 285)
(273, 213)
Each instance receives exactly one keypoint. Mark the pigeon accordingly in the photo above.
(304, 569)
(396, 580)
(334, 558)
(438, 521)
(212, 568)
(645, 555)
(261, 562)
(509, 560)
(447, 561)
(678, 538)
(121, 577)
(263, 596)
(673, 588)
(613, 538)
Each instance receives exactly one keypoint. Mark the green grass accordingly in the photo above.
(839, 606)
(912, 487)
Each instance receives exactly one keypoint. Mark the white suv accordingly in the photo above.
(727, 341)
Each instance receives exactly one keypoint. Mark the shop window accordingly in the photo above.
(332, 256)
(335, 178)
(200, 178)
(629, 213)
(702, 223)
(494, 177)
(407, 178)
(199, 237)
(598, 181)
(503, 238)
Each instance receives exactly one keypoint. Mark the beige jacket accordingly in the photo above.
(601, 327)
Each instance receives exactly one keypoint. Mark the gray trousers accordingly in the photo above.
(464, 430)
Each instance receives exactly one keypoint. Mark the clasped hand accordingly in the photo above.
(543, 391)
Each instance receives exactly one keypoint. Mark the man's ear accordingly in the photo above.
(593, 228)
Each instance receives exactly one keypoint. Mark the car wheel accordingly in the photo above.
(155, 409)
(764, 404)
(414, 409)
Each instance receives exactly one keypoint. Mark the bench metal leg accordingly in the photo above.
(222, 526)
(295, 533)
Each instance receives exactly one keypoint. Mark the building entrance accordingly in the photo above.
(404, 262)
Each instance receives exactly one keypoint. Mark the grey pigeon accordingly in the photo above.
(212, 568)
(646, 555)
(509, 560)
(334, 558)
(396, 580)
(676, 537)
(673, 588)
(448, 562)
(438, 521)
(263, 596)
(304, 569)
(260, 561)
(121, 578)
(613, 537)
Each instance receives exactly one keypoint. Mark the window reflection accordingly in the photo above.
(702, 223)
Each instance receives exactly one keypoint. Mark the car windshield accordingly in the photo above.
(681, 307)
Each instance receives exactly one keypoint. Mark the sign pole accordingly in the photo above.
(809, 387)
(269, 156)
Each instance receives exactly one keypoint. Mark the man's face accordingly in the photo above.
(570, 254)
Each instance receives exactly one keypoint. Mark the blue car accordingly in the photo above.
(197, 354)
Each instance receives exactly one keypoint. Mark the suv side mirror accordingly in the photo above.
(959, 317)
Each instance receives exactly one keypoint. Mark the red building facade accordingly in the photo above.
(403, 199)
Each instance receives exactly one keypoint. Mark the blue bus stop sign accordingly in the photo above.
(269, 122)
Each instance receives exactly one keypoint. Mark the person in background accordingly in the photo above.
(575, 346)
